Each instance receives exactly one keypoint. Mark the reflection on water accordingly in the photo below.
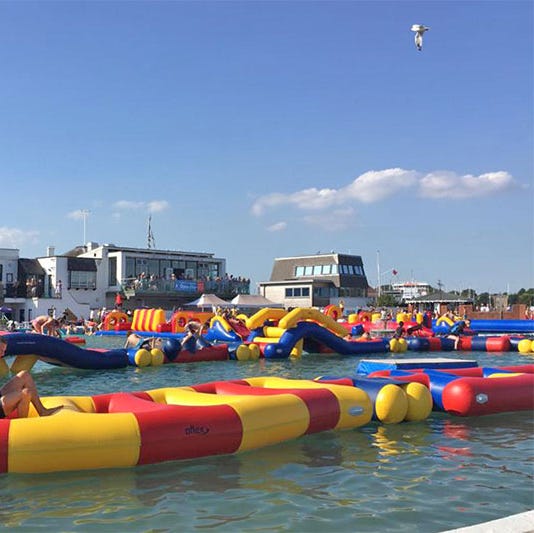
(426, 476)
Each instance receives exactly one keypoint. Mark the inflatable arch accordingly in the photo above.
(148, 319)
(116, 320)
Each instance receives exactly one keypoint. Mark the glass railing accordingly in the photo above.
(22, 291)
(230, 287)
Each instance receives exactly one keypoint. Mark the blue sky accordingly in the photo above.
(256, 130)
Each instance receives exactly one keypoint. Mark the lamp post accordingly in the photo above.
(85, 213)
(379, 274)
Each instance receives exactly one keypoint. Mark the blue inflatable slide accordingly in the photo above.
(62, 353)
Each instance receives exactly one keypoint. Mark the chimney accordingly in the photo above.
(50, 251)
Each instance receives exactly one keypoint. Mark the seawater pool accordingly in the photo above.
(443, 473)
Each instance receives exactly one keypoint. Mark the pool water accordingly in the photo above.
(429, 476)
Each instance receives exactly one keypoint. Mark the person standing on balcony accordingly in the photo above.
(59, 288)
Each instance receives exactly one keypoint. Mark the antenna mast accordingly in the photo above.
(151, 242)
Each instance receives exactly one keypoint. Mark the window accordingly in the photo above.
(214, 270)
(334, 269)
(297, 292)
(112, 275)
(140, 266)
(130, 268)
(164, 267)
(308, 271)
(299, 271)
(152, 267)
(82, 279)
(326, 269)
(317, 270)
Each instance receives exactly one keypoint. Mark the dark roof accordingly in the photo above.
(81, 264)
(440, 297)
(31, 267)
(75, 251)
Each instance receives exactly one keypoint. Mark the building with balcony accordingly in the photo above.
(318, 280)
(89, 277)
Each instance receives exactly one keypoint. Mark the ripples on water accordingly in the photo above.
(428, 476)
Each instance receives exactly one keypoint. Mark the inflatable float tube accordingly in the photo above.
(473, 391)
(74, 339)
(171, 352)
(393, 400)
(466, 343)
(323, 335)
(120, 430)
(62, 353)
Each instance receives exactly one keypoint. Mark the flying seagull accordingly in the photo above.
(419, 30)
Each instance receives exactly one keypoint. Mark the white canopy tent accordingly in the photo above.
(253, 300)
(209, 300)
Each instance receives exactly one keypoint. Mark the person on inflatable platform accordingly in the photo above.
(192, 335)
(136, 341)
(19, 392)
(459, 329)
(399, 331)
(47, 325)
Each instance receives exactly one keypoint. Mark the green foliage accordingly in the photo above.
(386, 300)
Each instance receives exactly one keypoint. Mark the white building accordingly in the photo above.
(89, 277)
(411, 289)
(318, 280)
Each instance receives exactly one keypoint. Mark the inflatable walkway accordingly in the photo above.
(127, 429)
(62, 353)
(311, 330)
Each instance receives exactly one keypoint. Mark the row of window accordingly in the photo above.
(325, 292)
(297, 292)
(327, 270)
(162, 268)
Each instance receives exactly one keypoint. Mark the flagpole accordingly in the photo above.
(378, 271)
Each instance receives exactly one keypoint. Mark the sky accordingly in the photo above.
(255, 130)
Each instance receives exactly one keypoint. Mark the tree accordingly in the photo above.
(386, 300)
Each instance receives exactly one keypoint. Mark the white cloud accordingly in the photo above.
(378, 185)
(334, 220)
(279, 226)
(446, 184)
(156, 206)
(15, 238)
(153, 206)
(127, 204)
(367, 188)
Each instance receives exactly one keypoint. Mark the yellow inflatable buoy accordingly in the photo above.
(254, 352)
(23, 362)
(394, 345)
(391, 404)
(524, 346)
(242, 353)
(142, 357)
(419, 401)
(403, 345)
(156, 357)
